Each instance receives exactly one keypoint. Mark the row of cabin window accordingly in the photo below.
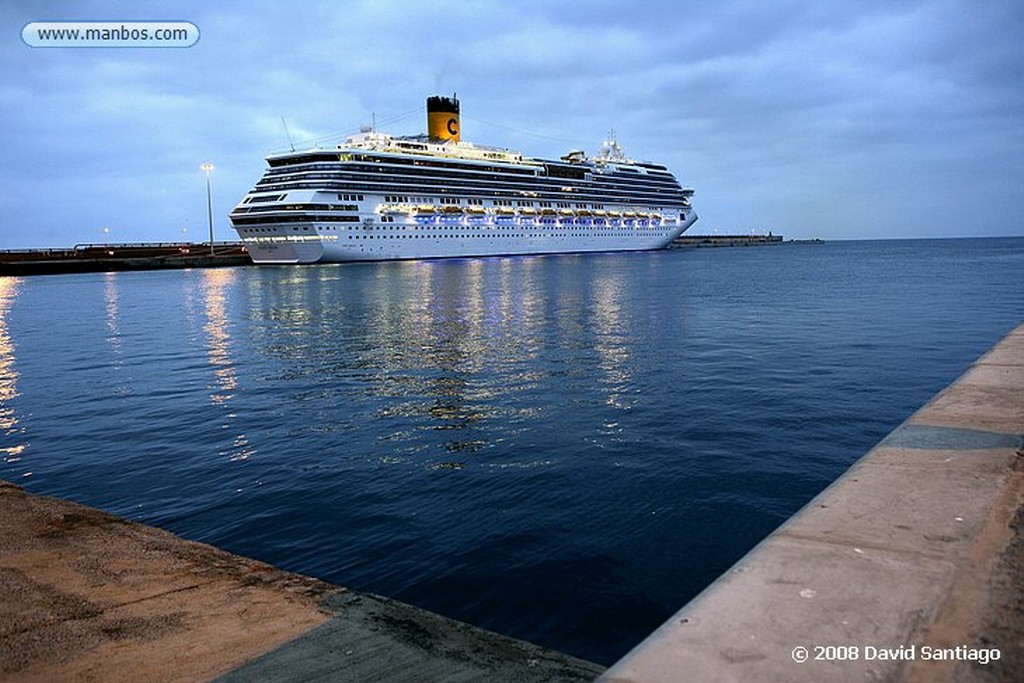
(264, 186)
(306, 228)
(667, 181)
(499, 234)
(488, 180)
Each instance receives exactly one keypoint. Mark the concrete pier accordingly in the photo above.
(908, 568)
(86, 596)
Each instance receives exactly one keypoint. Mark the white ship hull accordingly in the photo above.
(383, 242)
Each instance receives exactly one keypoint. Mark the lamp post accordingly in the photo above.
(207, 167)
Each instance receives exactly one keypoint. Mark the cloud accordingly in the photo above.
(808, 118)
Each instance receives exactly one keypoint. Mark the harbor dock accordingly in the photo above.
(917, 549)
(99, 258)
(686, 240)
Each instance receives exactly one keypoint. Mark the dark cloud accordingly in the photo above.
(873, 119)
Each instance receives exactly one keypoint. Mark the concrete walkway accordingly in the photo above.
(908, 568)
(86, 596)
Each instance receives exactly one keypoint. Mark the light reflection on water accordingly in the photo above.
(113, 332)
(120, 371)
(8, 375)
(447, 349)
(216, 282)
(613, 344)
(438, 355)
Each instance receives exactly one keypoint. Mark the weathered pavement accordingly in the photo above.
(86, 596)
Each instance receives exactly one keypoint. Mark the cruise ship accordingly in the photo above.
(380, 197)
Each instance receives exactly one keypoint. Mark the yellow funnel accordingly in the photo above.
(443, 118)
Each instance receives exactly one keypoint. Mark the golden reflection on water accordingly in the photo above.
(216, 281)
(218, 339)
(8, 375)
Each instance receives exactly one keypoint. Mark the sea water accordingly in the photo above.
(563, 449)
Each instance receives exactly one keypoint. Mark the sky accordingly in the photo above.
(852, 120)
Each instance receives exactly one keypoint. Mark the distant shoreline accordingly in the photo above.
(684, 240)
(98, 258)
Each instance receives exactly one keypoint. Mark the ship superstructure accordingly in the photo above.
(380, 197)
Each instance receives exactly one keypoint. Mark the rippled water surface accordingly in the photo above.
(564, 449)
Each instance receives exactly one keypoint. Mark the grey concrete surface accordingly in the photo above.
(371, 638)
(87, 596)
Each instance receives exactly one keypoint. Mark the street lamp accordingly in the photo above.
(207, 167)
